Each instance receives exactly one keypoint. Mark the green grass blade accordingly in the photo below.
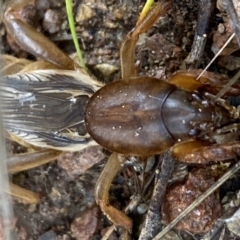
(145, 9)
(73, 32)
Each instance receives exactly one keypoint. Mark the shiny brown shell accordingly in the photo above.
(142, 116)
(124, 116)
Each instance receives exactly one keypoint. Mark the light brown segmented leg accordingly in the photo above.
(127, 51)
(197, 152)
(21, 162)
(112, 167)
(32, 41)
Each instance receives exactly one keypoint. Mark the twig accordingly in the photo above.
(228, 85)
(108, 233)
(152, 224)
(206, 8)
(233, 17)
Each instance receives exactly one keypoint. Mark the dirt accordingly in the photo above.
(67, 209)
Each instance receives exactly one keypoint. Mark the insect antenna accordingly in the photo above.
(233, 17)
(218, 53)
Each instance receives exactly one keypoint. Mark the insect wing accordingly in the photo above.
(46, 108)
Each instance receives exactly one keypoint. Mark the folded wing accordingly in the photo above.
(45, 108)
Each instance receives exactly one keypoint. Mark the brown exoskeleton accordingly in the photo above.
(145, 116)
(135, 115)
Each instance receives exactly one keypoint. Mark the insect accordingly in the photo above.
(152, 115)
(133, 116)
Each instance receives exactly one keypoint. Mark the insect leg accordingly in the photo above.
(24, 194)
(208, 82)
(21, 162)
(127, 51)
(197, 152)
(31, 40)
(102, 191)
(26, 161)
